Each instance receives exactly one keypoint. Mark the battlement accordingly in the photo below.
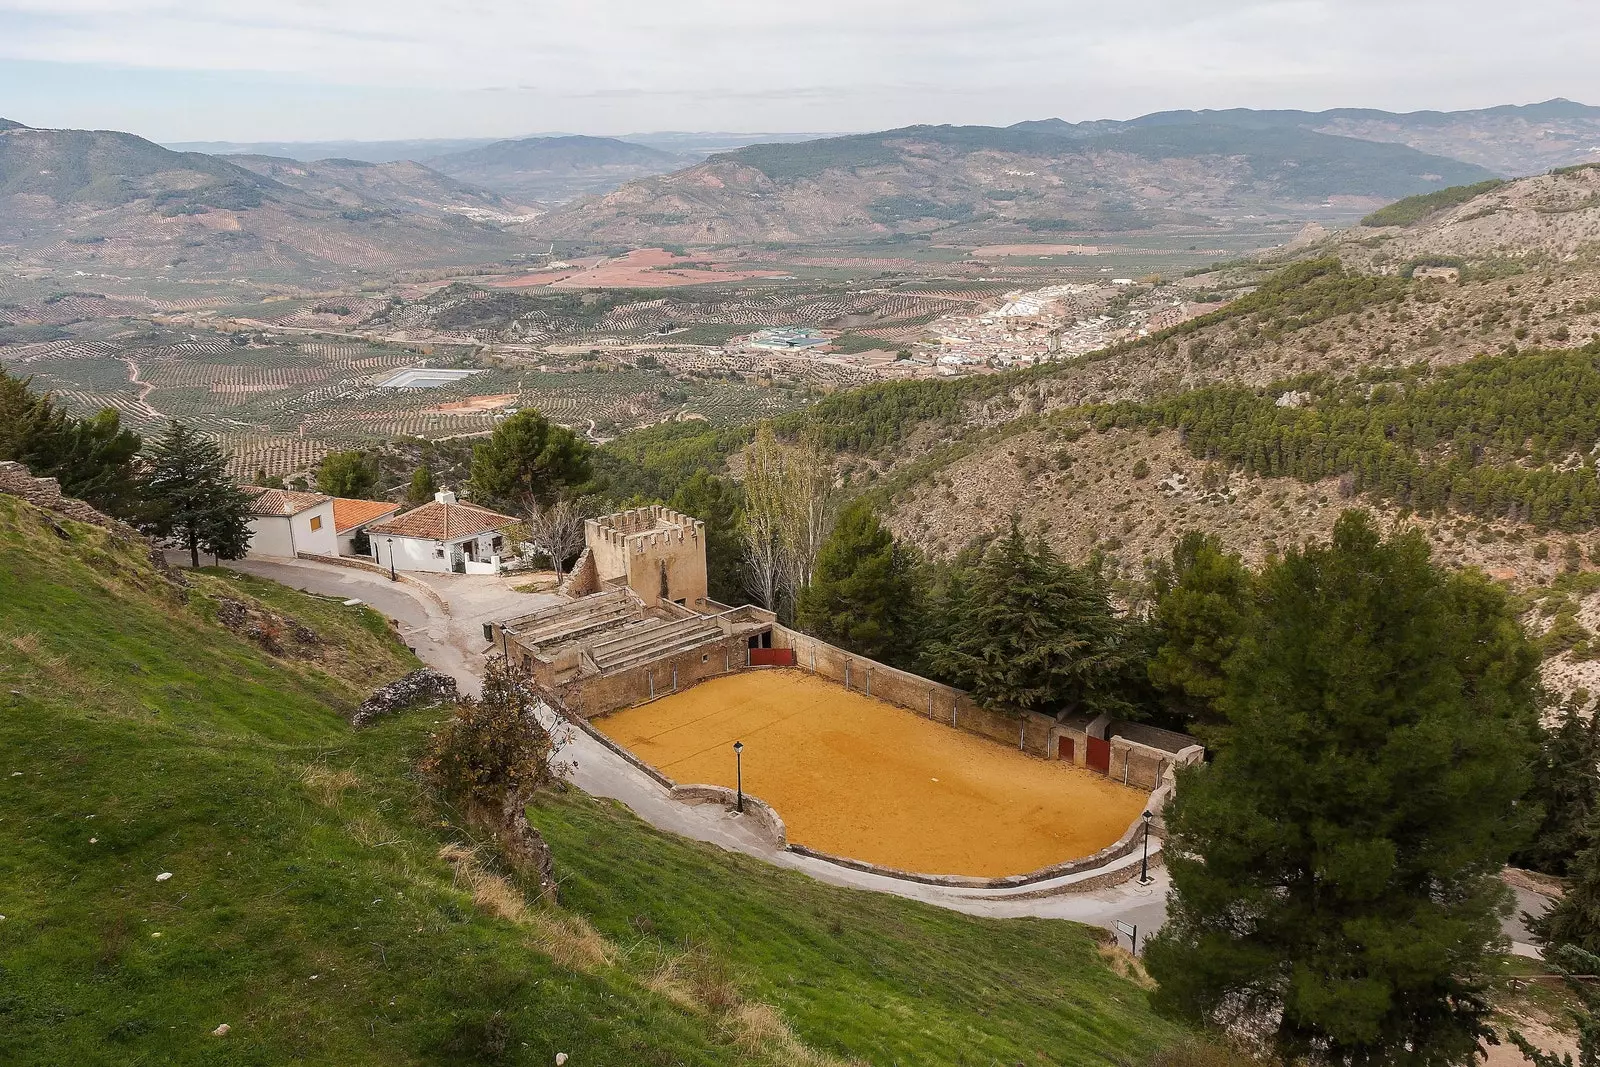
(658, 553)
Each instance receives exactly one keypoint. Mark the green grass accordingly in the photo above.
(857, 974)
(309, 908)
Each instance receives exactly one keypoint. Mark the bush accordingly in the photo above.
(491, 748)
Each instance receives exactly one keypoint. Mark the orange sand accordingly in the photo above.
(854, 776)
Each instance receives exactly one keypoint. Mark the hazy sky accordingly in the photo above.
(324, 69)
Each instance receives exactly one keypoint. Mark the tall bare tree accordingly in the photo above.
(809, 501)
(764, 488)
(556, 530)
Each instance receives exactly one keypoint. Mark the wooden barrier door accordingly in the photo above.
(1065, 750)
(772, 657)
(1098, 755)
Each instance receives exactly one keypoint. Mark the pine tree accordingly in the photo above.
(716, 502)
(1566, 788)
(1335, 868)
(189, 496)
(863, 594)
(347, 474)
(1034, 634)
(422, 486)
(1577, 969)
(528, 460)
(94, 459)
(1575, 918)
(1199, 617)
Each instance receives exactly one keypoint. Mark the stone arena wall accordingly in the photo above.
(1031, 733)
(588, 697)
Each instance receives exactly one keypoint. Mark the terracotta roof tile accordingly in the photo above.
(282, 503)
(348, 513)
(443, 522)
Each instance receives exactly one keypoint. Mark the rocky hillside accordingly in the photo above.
(1553, 218)
(1022, 181)
(554, 170)
(99, 200)
(399, 186)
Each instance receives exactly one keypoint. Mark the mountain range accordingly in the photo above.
(1182, 168)
(96, 198)
(75, 198)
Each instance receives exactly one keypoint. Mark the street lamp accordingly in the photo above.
(738, 776)
(1144, 864)
(390, 540)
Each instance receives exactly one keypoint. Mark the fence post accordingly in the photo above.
(652, 676)
(869, 682)
(847, 674)
(674, 677)
(1022, 737)
(955, 703)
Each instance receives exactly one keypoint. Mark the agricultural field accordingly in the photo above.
(279, 402)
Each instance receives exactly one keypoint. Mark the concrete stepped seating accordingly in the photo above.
(571, 622)
(651, 639)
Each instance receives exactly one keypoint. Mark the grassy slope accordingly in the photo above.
(309, 909)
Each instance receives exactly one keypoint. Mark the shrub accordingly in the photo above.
(491, 748)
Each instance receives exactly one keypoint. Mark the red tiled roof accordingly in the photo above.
(348, 513)
(282, 503)
(443, 522)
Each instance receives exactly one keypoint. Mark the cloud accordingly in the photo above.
(833, 63)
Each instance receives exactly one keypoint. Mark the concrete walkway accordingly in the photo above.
(451, 640)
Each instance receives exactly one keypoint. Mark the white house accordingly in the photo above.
(352, 517)
(445, 535)
(284, 523)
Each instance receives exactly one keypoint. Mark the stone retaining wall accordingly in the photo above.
(364, 565)
(598, 694)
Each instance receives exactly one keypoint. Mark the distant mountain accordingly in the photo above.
(7, 124)
(1511, 140)
(401, 185)
(556, 169)
(310, 151)
(1026, 180)
(81, 198)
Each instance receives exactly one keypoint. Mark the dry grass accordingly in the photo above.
(33, 650)
(697, 980)
(1127, 965)
(329, 785)
(568, 939)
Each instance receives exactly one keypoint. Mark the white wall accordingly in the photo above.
(323, 541)
(418, 554)
(270, 537)
(410, 554)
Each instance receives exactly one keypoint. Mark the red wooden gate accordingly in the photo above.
(1098, 757)
(772, 657)
(1065, 749)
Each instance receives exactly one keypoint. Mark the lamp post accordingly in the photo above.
(1144, 864)
(738, 776)
(390, 541)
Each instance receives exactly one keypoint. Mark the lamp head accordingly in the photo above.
(1147, 816)
(738, 746)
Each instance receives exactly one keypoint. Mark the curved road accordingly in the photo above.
(450, 639)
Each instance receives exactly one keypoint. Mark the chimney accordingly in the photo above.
(445, 496)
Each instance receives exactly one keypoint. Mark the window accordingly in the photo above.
(316, 522)
(438, 552)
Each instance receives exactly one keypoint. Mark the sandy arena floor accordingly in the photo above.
(857, 777)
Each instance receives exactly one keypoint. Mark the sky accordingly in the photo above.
(248, 70)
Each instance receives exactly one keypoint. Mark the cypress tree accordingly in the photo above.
(189, 496)
(1199, 619)
(1335, 869)
(1032, 633)
(863, 595)
(1575, 918)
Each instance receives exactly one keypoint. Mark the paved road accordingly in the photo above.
(449, 638)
